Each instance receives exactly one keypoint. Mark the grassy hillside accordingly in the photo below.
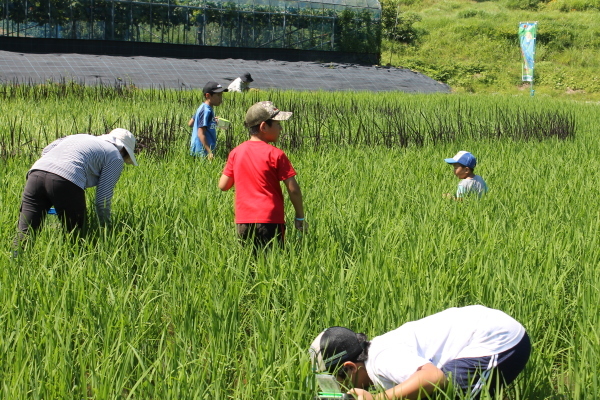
(473, 46)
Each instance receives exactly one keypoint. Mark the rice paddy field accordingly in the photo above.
(165, 304)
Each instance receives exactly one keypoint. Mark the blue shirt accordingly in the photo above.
(204, 118)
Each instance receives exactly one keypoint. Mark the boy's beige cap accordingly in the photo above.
(263, 111)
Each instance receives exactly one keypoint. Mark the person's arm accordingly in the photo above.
(296, 198)
(191, 122)
(425, 380)
(451, 197)
(225, 183)
(460, 192)
(107, 181)
(202, 137)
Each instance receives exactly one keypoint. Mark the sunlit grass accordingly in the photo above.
(167, 305)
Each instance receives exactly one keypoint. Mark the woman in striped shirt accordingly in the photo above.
(67, 167)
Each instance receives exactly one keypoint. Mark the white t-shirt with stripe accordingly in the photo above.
(472, 331)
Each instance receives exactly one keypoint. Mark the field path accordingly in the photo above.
(147, 72)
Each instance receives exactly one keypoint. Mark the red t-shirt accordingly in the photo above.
(257, 168)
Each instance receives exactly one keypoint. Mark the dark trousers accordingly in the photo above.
(261, 234)
(44, 190)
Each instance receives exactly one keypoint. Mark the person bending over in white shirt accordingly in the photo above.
(475, 347)
(241, 84)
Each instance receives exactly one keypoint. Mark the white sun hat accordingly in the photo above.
(126, 139)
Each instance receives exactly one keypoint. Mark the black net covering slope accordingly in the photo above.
(145, 72)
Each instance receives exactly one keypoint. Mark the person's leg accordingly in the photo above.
(245, 231)
(261, 235)
(468, 375)
(35, 203)
(68, 199)
(281, 233)
(267, 234)
(510, 364)
(471, 375)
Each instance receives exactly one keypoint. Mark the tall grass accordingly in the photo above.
(360, 119)
(166, 305)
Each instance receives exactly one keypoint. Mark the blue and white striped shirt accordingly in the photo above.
(86, 161)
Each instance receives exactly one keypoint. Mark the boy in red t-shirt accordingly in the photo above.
(256, 168)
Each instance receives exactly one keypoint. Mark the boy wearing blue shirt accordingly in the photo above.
(204, 123)
(464, 163)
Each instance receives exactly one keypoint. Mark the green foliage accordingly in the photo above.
(471, 13)
(577, 5)
(484, 34)
(399, 26)
(167, 305)
(524, 4)
(357, 31)
(561, 78)
(404, 2)
(215, 23)
(557, 36)
(394, 122)
(481, 29)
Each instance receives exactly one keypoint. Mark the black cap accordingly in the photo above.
(333, 347)
(246, 78)
(213, 87)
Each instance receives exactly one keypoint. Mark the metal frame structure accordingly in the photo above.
(323, 25)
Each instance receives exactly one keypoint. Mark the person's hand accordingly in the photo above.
(302, 225)
(361, 394)
(210, 156)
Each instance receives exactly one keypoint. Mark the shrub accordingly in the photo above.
(578, 5)
(556, 37)
(398, 26)
(524, 4)
(469, 13)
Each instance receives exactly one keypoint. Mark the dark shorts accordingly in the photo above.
(261, 234)
(473, 374)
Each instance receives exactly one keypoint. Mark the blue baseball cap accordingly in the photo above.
(463, 158)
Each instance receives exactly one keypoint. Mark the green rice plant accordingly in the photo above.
(362, 119)
(167, 304)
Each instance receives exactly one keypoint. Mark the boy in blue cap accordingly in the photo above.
(464, 164)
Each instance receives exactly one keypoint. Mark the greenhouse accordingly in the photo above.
(324, 25)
